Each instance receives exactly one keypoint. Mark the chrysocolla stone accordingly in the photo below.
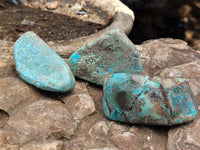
(111, 53)
(136, 99)
(39, 65)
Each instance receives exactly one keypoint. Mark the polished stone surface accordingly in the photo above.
(139, 100)
(37, 64)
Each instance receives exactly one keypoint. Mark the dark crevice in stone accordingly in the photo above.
(3, 117)
(135, 100)
(4, 112)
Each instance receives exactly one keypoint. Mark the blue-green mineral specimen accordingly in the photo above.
(39, 65)
(111, 53)
(136, 99)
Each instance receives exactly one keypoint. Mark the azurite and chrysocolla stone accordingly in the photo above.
(111, 53)
(136, 99)
(39, 65)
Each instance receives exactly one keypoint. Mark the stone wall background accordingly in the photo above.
(34, 119)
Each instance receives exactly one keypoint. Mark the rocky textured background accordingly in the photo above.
(31, 119)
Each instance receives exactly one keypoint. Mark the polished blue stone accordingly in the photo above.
(140, 100)
(112, 53)
(37, 64)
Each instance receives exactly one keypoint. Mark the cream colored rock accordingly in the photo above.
(189, 70)
(160, 53)
(14, 93)
(52, 5)
(125, 141)
(185, 137)
(84, 107)
(42, 119)
(105, 148)
(76, 7)
(8, 140)
(93, 138)
(6, 47)
(80, 105)
(7, 67)
(99, 130)
(8, 147)
(116, 128)
(132, 137)
(55, 145)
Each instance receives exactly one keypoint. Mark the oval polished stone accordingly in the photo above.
(39, 65)
(139, 100)
(112, 53)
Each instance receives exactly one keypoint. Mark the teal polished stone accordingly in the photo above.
(37, 64)
(139, 100)
(111, 53)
